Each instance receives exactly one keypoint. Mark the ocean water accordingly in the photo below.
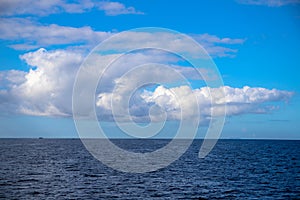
(235, 169)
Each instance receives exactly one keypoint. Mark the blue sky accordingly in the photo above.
(254, 43)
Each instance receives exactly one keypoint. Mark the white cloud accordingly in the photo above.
(218, 46)
(26, 34)
(31, 35)
(45, 7)
(237, 100)
(116, 8)
(214, 39)
(270, 3)
(46, 89)
(171, 41)
(11, 77)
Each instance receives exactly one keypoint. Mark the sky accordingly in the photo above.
(254, 44)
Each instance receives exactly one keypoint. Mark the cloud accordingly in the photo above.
(116, 8)
(11, 77)
(214, 39)
(28, 34)
(44, 7)
(218, 46)
(270, 3)
(46, 89)
(173, 41)
(237, 100)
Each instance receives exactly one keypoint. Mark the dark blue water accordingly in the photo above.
(235, 169)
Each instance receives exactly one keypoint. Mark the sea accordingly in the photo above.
(234, 169)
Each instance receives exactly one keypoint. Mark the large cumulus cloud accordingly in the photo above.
(237, 100)
(46, 89)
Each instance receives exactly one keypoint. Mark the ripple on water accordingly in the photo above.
(235, 169)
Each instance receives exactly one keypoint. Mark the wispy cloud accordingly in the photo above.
(27, 34)
(215, 39)
(270, 3)
(218, 46)
(45, 7)
(116, 8)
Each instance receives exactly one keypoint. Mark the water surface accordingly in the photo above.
(235, 169)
